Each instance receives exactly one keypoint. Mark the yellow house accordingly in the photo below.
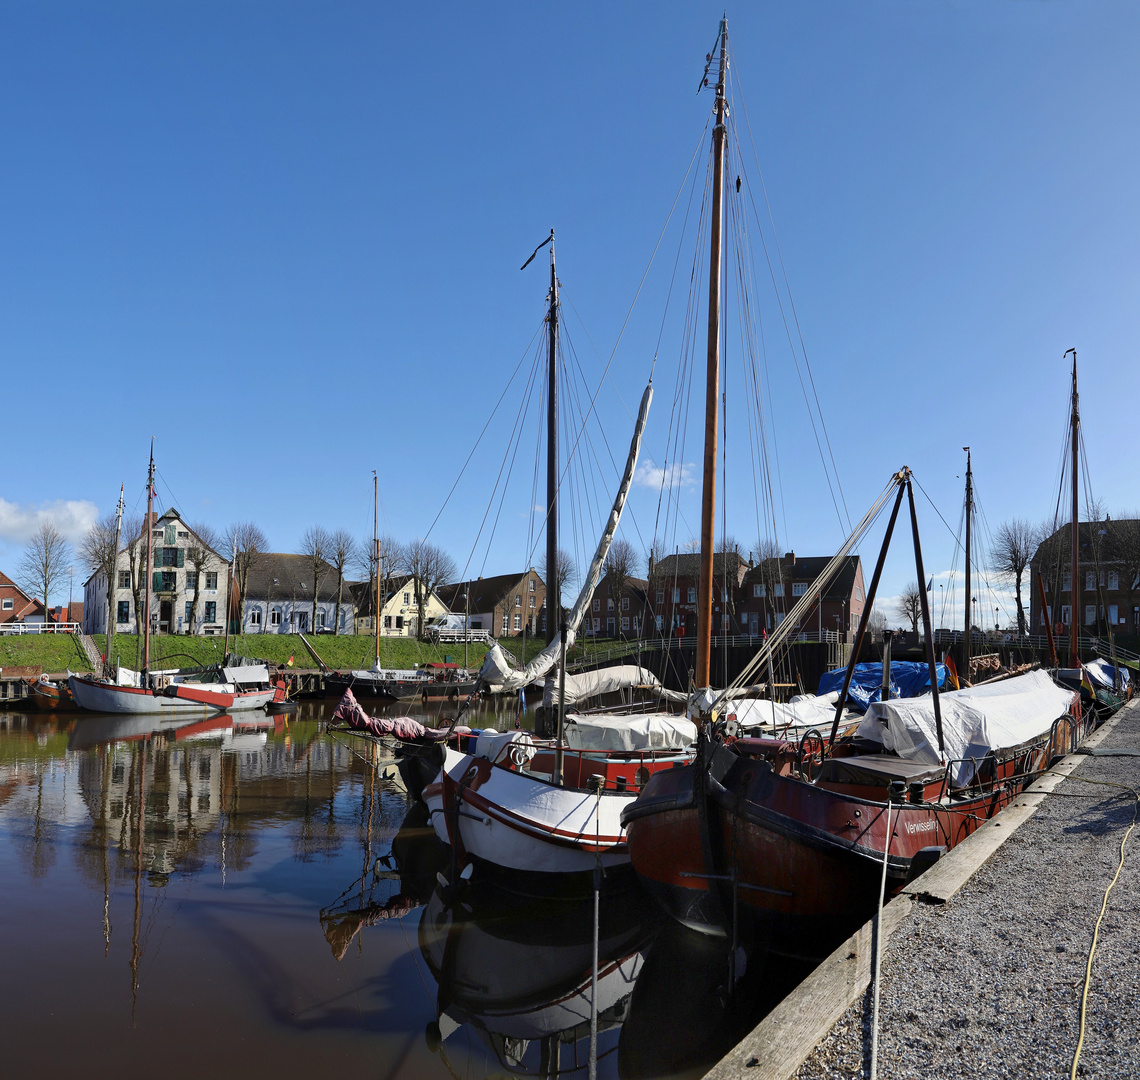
(399, 612)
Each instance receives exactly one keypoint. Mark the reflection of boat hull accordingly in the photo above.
(101, 697)
(95, 730)
(391, 689)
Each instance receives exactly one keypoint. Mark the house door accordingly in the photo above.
(164, 616)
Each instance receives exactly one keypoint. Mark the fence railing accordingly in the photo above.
(41, 628)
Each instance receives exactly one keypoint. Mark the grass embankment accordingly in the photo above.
(339, 652)
(52, 652)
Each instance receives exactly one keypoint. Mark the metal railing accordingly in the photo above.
(41, 628)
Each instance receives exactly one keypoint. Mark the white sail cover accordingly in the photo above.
(800, 714)
(975, 721)
(247, 673)
(591, 684)
(497, 671)
(618, 734)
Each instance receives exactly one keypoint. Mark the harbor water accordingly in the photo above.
(262, 892)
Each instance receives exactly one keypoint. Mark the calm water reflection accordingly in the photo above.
(253, 892)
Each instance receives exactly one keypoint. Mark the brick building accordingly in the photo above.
(502, 605)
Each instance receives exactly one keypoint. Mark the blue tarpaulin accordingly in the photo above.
(908, 679)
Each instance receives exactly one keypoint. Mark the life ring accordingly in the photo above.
(1058, 629)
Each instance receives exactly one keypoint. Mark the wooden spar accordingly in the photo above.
(376, 560)
(149, 560)
(1048, 619)
(712, 385)
(861, 633)
(553, 589)
(967, 641)
(927, 629)
(111, 616)
(1074, 590)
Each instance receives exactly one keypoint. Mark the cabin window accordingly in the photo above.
(799, 588)
(759, 590)
(1090, 614)
(692, 595)
(275, 617)
(1113, 580)
(122, 612)
(625, 603)
(211, 611)
(124, 579)
(212, 580)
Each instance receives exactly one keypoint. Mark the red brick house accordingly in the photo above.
(16, 605)
(503, 606)
(617, 612)
(772, 587)
(673, 594)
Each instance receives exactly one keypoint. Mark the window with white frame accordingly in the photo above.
(1066, 581)
(211, 580)
(597, 605)
(660, 596)
(254, 616)
(320, 619)
(1090, 614)
(799, 588)
(609, 603)
(275, 617)
(676, 596)
(759, 590)
(1113, 614)
(532, 603)
(518, 622)
(1066, 614)
(1090, 580)
(1113, 580)
(518, 601)
(692, 595)
(779, 590)
(610, 627)
(211, 611)
(7, 604)
(625, 623)
(124, 579)
(530, 586)
(597, 625)
(506, 624)
(407, 599)
(659, 622)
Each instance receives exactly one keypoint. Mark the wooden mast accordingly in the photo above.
(553, 588)
(712, 385)
(967, 641)
(376, 561)
(111, 587)
(149, 561)
(1074, 590)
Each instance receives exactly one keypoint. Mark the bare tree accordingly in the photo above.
(729, 545)
(383, 563)
(134, 528)
(565, 575)
(766, 548)
(44, 561)
(202, 546)
(244, 546)
(99, 551)
(1014, 545)
(430, 566)
(316, 546)
(909, 605)
(622, 563)
(343, 550)
(876, 624)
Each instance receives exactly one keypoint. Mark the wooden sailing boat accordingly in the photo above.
(800, 841)
(548, 807)
(233, 688)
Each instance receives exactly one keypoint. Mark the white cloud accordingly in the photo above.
(18, 522)
(651, 475)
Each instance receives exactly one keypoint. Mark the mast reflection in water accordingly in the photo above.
(257, 893)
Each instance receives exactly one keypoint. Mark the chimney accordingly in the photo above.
(790, 558)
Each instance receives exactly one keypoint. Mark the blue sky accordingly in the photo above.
(284, 239)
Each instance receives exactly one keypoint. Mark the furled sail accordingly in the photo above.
(498, 672)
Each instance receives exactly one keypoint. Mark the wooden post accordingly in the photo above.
(1075, 589)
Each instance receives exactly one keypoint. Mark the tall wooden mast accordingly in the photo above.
(112, 586)
(712, 384)
(1074, 590)
(967, 641)
(376, 562)
(146, 582)
(553, 588)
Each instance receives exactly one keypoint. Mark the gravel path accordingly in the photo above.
(989, 984)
